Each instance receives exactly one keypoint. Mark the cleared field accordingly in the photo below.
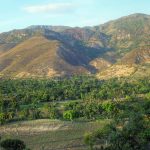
(51, 134)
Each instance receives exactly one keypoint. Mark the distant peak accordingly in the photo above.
(49, 27)
(138, 15)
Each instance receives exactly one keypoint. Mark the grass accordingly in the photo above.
(68, 135)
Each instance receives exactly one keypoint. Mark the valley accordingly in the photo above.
(76, 88)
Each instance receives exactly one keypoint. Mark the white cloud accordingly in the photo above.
(52, 7)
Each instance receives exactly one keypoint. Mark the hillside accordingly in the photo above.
(39, 56)
(118, 47)
(127, 33)
(137, 56)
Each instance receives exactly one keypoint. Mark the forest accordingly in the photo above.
(124, 101)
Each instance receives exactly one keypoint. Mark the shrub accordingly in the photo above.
(69, 115)
(12, 144)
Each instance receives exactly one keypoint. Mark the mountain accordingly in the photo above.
(137, 56)
(39, 56)
(130, 39)
(117, 48)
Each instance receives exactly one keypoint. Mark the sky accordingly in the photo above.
(17, 14)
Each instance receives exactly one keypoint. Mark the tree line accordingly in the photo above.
(23, 99)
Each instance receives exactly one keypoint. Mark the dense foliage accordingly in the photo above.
(92, 98)
(125, 102)
(132, 133)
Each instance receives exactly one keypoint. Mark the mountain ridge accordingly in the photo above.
(87, 50)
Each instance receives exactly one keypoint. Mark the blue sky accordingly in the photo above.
(15, 14)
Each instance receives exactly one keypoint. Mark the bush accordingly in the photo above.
(89, 140)
(12, 144)
(69, 115)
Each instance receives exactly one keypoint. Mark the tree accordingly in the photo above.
(69, 115)
(52, 110)
(109, 108)
(131, 133)
(2, 118)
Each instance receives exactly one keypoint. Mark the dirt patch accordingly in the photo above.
(33, 126)
(117, 71)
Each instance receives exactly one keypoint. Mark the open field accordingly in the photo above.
(51, 134)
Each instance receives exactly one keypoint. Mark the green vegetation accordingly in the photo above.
(123, 104)
(36, 99)
(132, 133)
